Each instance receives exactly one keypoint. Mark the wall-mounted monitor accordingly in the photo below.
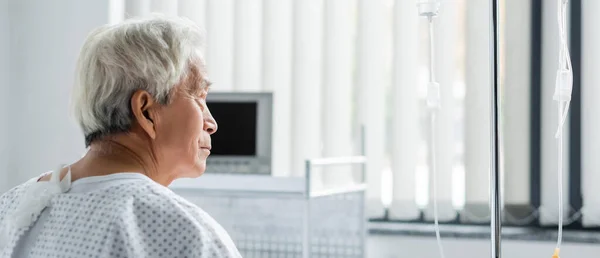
(242, 143)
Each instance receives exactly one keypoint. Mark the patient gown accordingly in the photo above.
(118, 215)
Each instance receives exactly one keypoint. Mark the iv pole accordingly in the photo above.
(495, 183)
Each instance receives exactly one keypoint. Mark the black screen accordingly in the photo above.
(236, 134)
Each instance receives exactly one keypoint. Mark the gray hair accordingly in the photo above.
(152, 54)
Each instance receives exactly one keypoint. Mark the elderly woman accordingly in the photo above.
(140, 99)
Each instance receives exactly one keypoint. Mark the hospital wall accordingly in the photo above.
(4, 82)
(38, 55)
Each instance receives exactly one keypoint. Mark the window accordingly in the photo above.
(335, 65)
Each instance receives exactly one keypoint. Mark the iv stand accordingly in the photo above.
(495, 183)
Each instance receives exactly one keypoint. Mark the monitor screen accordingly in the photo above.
(236, 134)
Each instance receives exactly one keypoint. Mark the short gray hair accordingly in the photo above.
(151, 54)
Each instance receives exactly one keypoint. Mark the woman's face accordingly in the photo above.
(183, 129)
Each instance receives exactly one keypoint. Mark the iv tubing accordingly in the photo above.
(434, 172)
(564, 57)
(429, 9)
(560, 185)
(431, 51)
(433, 139)
(564, 64)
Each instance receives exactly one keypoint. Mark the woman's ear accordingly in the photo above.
(142, 107)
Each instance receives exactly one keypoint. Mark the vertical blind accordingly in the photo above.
(589, 117)
(335, 66)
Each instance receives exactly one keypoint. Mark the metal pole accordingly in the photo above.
(307, 212)
(495, 191)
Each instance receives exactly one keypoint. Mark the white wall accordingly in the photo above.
(45, 38)
(4, 82)
(426, 247)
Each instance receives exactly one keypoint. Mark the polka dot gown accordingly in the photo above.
(136, 218)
